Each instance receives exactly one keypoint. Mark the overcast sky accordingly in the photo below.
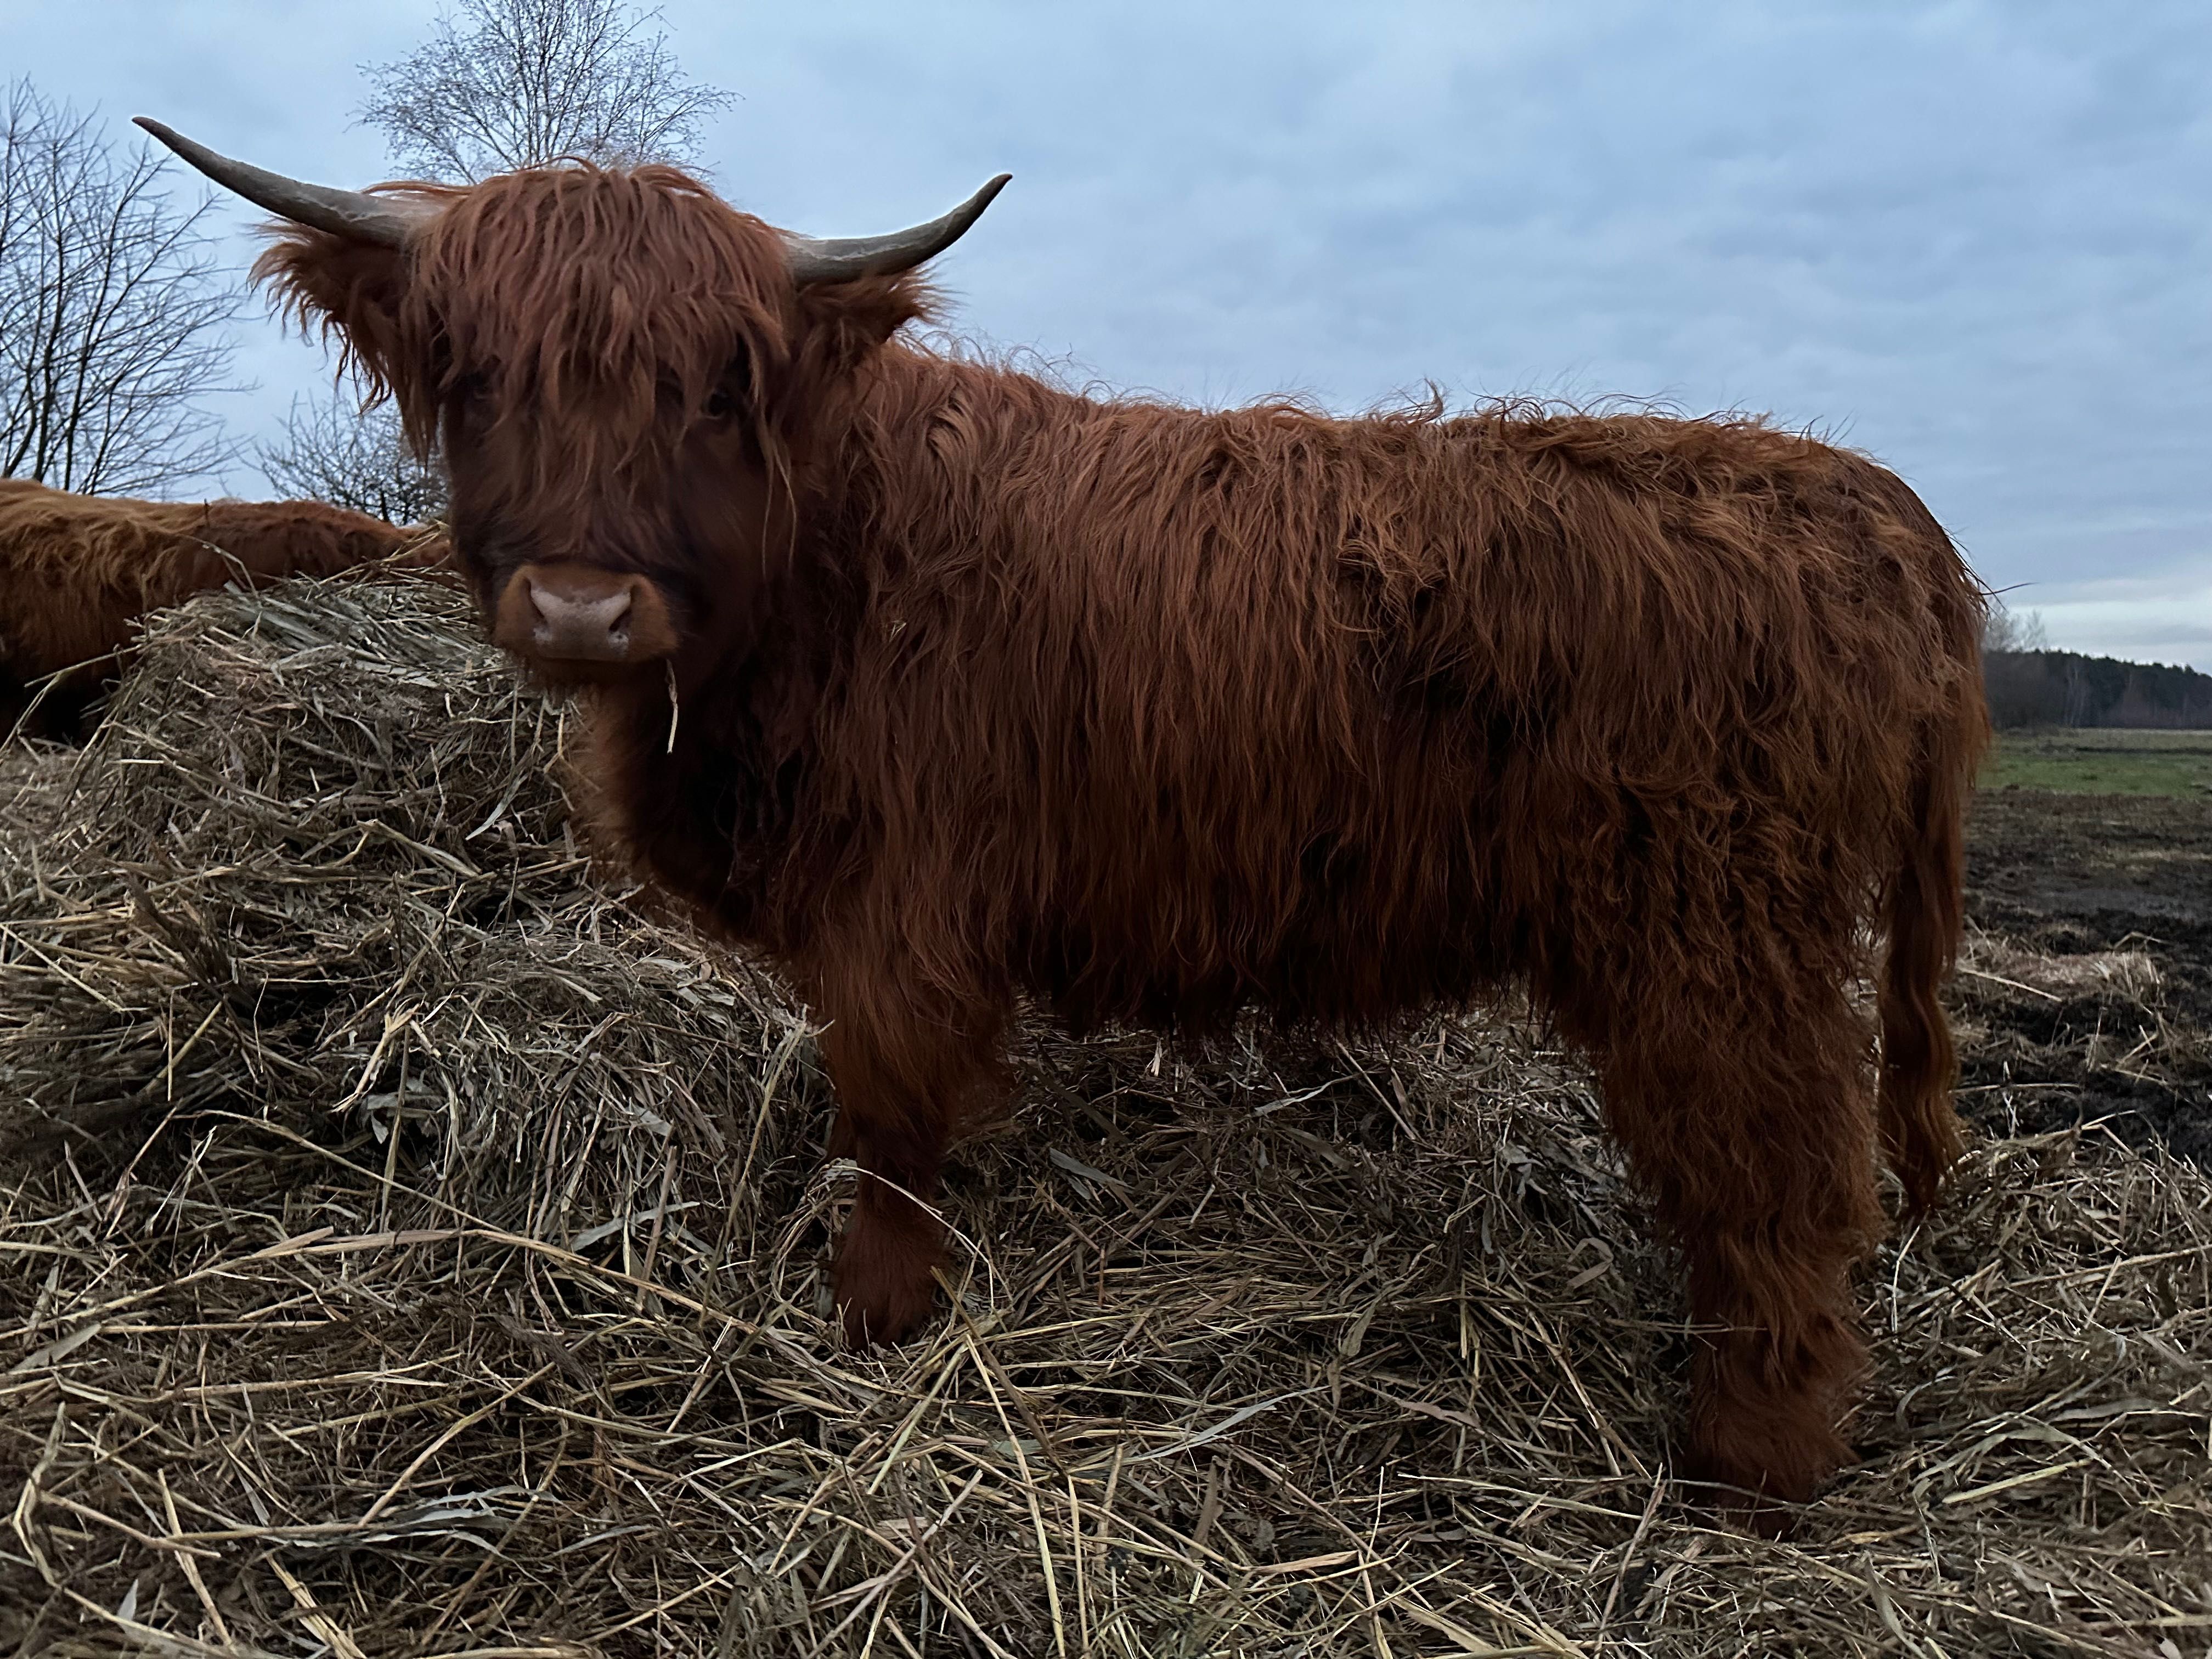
(1973, 239)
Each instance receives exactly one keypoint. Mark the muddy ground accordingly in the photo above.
(2086, 991)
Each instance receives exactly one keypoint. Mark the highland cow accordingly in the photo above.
(78, 572)
(944, 687)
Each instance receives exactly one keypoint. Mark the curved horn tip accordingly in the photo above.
(972, 209)
(842, 259)
(346, 213)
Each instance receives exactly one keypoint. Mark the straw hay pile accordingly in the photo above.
(408, 1248)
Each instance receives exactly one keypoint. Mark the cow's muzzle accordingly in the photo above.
(564, 613)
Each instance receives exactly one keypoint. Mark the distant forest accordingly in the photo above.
(2063, 687)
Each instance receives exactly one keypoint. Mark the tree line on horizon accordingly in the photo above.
(2066, 687)
(2029, 684)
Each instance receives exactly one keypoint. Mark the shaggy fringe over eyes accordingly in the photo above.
(601, 307)
(536, 286)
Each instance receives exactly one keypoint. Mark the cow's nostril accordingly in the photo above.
(567, 625)
(556, 607)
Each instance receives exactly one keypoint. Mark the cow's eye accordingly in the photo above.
(719, 404)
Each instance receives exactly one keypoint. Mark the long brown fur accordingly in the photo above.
(77, 572)
(989, 691)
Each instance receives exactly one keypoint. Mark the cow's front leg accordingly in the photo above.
(906, 1073)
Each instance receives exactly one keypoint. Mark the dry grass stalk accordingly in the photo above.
(408, 1248)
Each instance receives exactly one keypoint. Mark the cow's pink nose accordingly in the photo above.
(566, 612)
(576, 629)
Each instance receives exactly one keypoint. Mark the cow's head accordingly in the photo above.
(624, 374)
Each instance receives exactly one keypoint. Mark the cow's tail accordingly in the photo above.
(1926, 911)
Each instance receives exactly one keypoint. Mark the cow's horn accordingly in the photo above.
(342, 212)
(842, 259)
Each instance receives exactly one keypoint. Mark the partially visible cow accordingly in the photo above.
(945, 686)
(77, 572)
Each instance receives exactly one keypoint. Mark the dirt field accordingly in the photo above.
(2088, 989)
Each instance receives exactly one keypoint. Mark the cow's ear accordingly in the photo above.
(357, 291)
(842, 323)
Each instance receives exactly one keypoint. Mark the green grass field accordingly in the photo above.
(2103, 762)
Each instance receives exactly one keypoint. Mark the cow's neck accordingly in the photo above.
(702, 785)
(919, 464)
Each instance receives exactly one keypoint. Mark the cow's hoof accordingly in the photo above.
(1748, 1497)
(885, 1292)
(1750, 1512)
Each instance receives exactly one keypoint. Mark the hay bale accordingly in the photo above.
(409, 1246)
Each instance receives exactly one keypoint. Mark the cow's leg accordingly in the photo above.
(907, 1073)
(1751, 1125)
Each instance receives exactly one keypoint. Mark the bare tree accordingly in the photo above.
(358, 457)
(2007, 629)
(514, 83)
(112, 311)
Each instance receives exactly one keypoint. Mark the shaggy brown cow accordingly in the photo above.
(945, 686)
(77, 571)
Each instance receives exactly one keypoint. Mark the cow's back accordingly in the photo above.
(1344, 716)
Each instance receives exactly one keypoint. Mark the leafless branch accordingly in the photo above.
(2007, 629)
(350, 457)
(514, 83)
(112, 311)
